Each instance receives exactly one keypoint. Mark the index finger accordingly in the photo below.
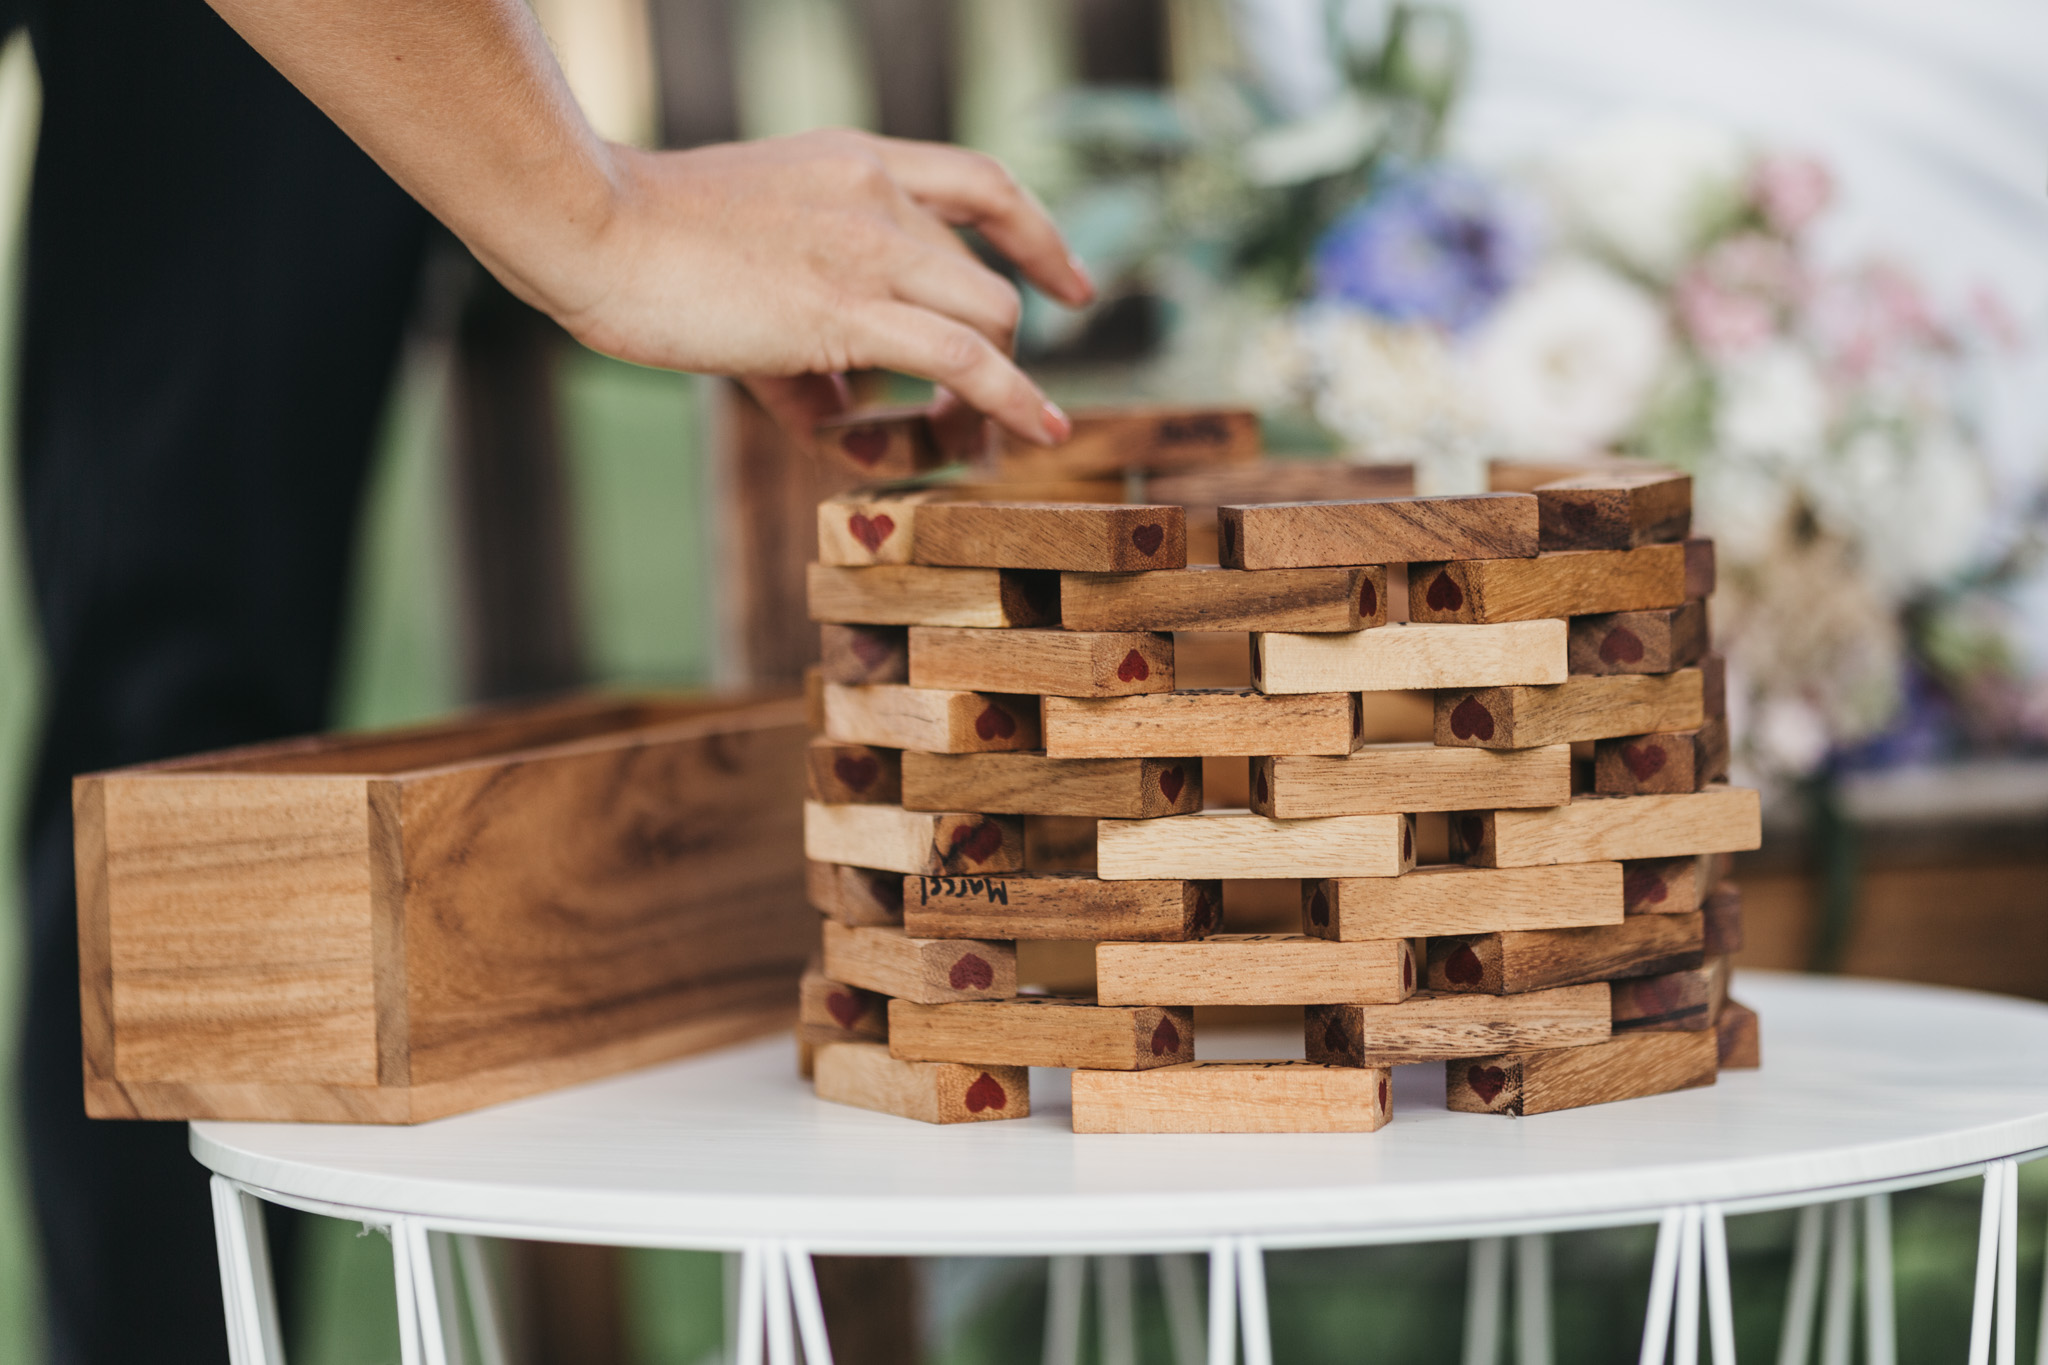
(969, 189)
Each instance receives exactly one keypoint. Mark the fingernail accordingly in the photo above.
(1057, 425)
(1087, 280)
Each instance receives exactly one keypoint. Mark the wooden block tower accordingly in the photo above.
(1531, 891)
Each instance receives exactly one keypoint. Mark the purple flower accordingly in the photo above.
(1436, 246)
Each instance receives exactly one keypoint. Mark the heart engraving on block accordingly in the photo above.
(986, 1093)
(1148, 537)
(1470, 720)
(865, 446)
(971, 972)
(871, 531)
(1622, 646)
(1443, 594)
(1486, 1081)
(857, 773)
(1134, 668)
(1644, 761)
(995, 723)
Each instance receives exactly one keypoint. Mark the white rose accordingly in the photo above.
(1771, 405)
(1650, 188)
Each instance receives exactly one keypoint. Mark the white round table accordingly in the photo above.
(1867, 1087)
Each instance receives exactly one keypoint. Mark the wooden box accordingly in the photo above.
(386, 928)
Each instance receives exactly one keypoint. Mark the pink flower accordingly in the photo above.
(1740, 294)
(1791, 191)
(1874, 316)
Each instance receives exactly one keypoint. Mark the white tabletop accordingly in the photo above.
(1862, 1081)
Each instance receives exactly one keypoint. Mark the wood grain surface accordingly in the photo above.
(875, 527)
(1672, 761)
(1517, 960)
(1673, 1002)
(892, 716)
(1032, 784)
(1579, 708)
(1428, 901)
(1061, 663)
(1210, 722)
(866, 1076)
(927, 843)
(881, 443)
(1239, 844)
(1723, 914)
(1410, 657)
(1233, 1097)
(1281, 481)
(1084, 537)
(1669, 886)
(920, 595)
(1256, 969)
(1046, 1030)
(931, 971)
(1124, 439)
(1067, 907)
(1737, 1038)
(1720, 819)
(1431, 1026)
(1569, 583)
(863, 654)
(1615, 511)
(1409, 777)
(1639, 641)
(833, 1012)
(1375, 531)
(1542, 1082)
(1344, 598)
(854, 895)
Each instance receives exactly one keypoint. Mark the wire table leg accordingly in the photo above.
(486, 1314)
(2008, 1263)
(776, 1304)
(1485, 1287)
(1223, 1303)
(1686, 1348)
(248, 1295)
(809, 1308)
(1663, 1284)
(1795, 1335)
(448, 1295)
(1720, 1298)
(1532, 1299)
(1251, 1295)
(1838, 1319)
(1116, 1311)
(414, 1261)
(1880, 1320)
(2041, 1347)
(1987, 1263)
(1184, 1308)
(750, 1316)
(1065, 1285)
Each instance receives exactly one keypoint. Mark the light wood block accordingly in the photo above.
(1518, 960)
(1032, 784)
(1299, 535)
(1083, 537)
(854, 895)
(1255, 969)
(1063, 663)
(1737, 1039)
(928, 843)
(1404, 658)
(1434, 1027)
(1569, 583)
(1670, 886)
(1511, 475)
(1409, 777)
(1211, 599)
(920, 595)
(931, 971)
(1639, 641)
(1117, 440)
(866, 1076)
(831, 1011)
(1579, 708)
(1214, 723)
(842, 774)
(1615, 510)
(1672, 761)
(1281, 481)
(371, 928)
(882, 443)
(932, 720)
(1239, 844)
(871, 528)
(1065, 907)
(1233, 1097)
(1059, 1031)
(1700, 568)
(1723, 914)
(1591, 829)
(1431, 901)
(863, 654)
(1542, 1082)
(1672, 1002)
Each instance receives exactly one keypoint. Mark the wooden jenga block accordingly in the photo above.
(866, 1076)
(1434, 1027)
(1593, 829)
(831, 1011)
(1233, 1097)
(1282, 481)
(1116, 440)
(1669, 886)
(1404, 658)
(1723, 914)
(931, 971)
(1430, 901)
(882, 443)
(934, 721)
(806, 1057)
(927, 843)
(1515, 475)
(1083, 537)
(1061, 907)
(1209, 599)
(841, 774)
(1671, 761)
(854, 655)
(920, 595)
(1736, 1038)
(1578, 708)
(871, 528)
(1299, 535)
(1409, 777)
(1672, 1002)
(1044, 1030)
(1569, 583)
(1214, 723)
(1714, 685)
(1700, 568)
(814, 699)
(1254, 969)
(1062, 663)
(1059, 843)
(1639, 641)
(854, 895)
(1541, 1082)
(1239, 844)
(1518, 960)
(1615, 511)
(1032, 784)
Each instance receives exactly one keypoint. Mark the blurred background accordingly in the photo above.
(1795, 248)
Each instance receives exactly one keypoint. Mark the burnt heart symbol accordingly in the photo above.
(1165, 1039)
(1334, 1039)
(986, 1093)
(1622, 646)
(857, 773)
(971, 973)
(871, 531)
(870, 650)
(1486, 1082)
(1148, 537)
(1134, 668)
(1642, 886)
(1462, 966)
(1319, 909)
(995, 723)
(1443, 594)
(1645, 761)
(1471, 720)
(1368, 599)
(1471, 832)
(1170, 783)
(865, 446)
(842, 1006)
(977, 842)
